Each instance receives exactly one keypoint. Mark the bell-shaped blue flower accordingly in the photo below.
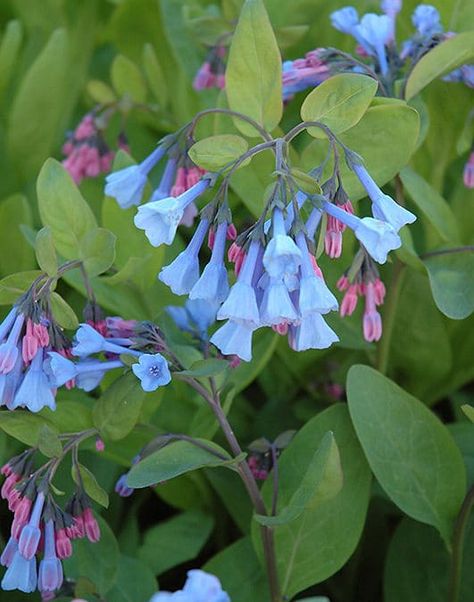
(183, 273)
(312, 333)
(152, 370)
(374, 32)
(35, 391)
(345, 19)
(276, 306)
(61, 369)
(427, 21)
(89, 341)
(213, 285)
(9, 349)
(126, 185)
(21, 575)
(241, 304)
(282, 257)
(314, 295)
(160, 219)
(235, 338)
(379, 238)
(9, 552)
(31, 533)
(203, 587)
(50, 576)
(195, 317)
(164, 187)
(383, 206)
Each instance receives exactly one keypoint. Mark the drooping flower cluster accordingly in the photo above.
(304, 73)
(199, 587)
(86, 150)
(279, 283)
(40, 528)
(212, 72)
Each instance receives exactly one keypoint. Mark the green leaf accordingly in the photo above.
(83, 476)
(216, 152)
(240, 572)
(209, 367)
(23, 425)
(13, 286)
(63, 312)
(96, 562)
(175, 459)
(434, 207)
(49, 443)
(11, 42)
(175, 541)
(305, 182)
(45, 252)
(395, 122)
(15, 211)
(154, 75)
(445, 57)
(127, 79)
(418, 565)
(410, 451)
(322, 481)
(135, 582)
(339, 102)
(253, 75)
(63, 209)
(117, 411)
(38, 103)
(318, 543)
(469, 411)
(452, 283)
(97, 250)
(100, 92)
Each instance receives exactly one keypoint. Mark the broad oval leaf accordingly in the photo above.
(175, 459)
(63, 312)
(97, 250)
(15, 213)
(392, 121)
(83, 476)
(410, 451)
(452, 283)
(253, 74)
(14, 285)
(24, 426)
(127, 79)
(322, 481)
(216, 152)
(45, 252)
(447, 56)
(63, 209)
(318, 543)
(339, 102)
(117, 411)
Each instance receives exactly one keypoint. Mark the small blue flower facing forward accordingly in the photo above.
(152, 370)
(199, 587)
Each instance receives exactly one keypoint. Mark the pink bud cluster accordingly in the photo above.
(374, 293)
(212, 72)
(334, 230)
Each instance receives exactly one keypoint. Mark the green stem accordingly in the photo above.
(464, 249)
(458, 546)
(383, 349)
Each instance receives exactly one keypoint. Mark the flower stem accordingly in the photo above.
(458, 546)
(250, 484)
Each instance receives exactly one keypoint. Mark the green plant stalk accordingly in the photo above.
(454, 589)
(250, 484)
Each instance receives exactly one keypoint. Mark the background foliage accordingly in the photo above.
(405, 448)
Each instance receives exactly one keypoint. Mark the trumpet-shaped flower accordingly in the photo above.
(183, 273)
(160, 219)
(126, 185)
(282, 257)
(235, 338)
(426, 19)
(9, 349)
(50, 576)
(164, 187)
(374, 32)
(312, 333)
(276, 306)
(21, 575)
(213, 285)
(345, 19)
(35, 391)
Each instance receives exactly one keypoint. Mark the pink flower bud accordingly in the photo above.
(63, 544)
(91, 526)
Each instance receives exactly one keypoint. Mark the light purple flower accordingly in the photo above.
(213, 285)
(183, 273)
(164, 187)
(21, 575)
(160, 219)
(9, 552)
(152, 370)
(31, 533)
(9, 349)
(199, 587)
(50, 576)
(122, 488)
(126, 185)
(195, 317)
(89, 341)
(374, 32)
(276, 306)
(62, 370)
